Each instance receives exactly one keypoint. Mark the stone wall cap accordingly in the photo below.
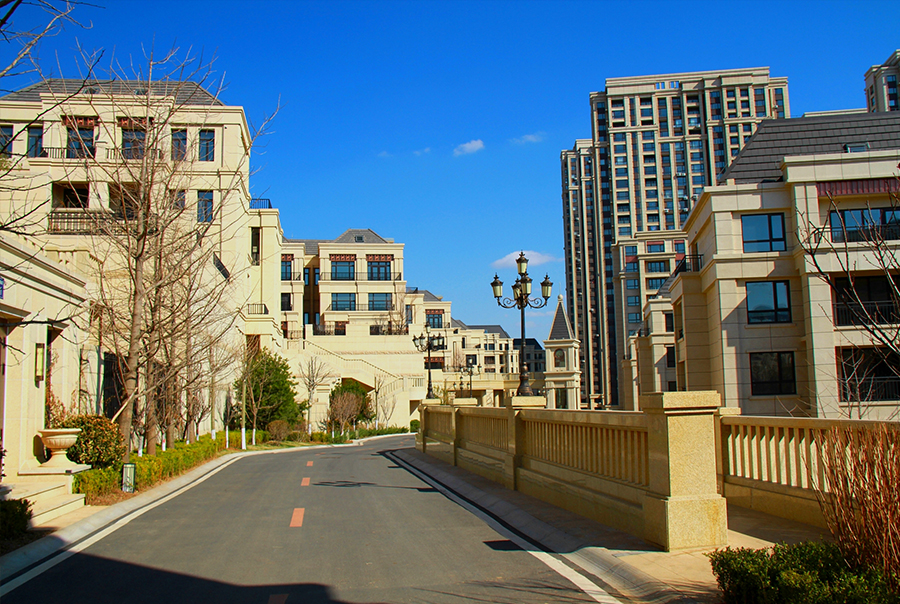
(706, 399)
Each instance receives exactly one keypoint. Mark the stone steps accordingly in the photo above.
(49, 500)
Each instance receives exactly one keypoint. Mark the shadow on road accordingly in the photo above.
(85, 578)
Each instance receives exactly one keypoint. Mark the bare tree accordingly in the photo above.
(384, 405)
(857, 254)
(167, 297)
(344, 408)
(314, 372)
(55, 15)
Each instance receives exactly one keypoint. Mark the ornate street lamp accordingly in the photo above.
(521, 299)
(466, 370)
(426, 343)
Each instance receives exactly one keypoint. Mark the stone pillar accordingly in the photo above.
(683, 508)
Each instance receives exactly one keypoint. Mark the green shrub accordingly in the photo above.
(278, 429)
(15, 514)
(100, 444)
(414, 425)
(806, 573)
(298, 436)
(318, 437)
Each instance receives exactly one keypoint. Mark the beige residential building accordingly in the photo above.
(881, 84)
(788, 301)
(657, 141)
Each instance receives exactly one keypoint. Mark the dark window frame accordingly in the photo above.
(773, 242)
(781, 308)
(785, 381)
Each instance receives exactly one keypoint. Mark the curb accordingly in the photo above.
(598, 561)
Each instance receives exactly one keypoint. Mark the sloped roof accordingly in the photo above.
(310, 246)
(456, 323)
(427, 295)
(760, 159)
(491, 329)
(528, 342)
(561, 329)
(185, 92)
(368, 236)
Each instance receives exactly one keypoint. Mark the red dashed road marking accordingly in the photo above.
(278, 598)
(297, 518)
(304, 482)
(309, 464)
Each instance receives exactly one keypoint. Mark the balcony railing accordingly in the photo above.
(90, 222)
(360, 277)
(345, 307)
(260, 204)
(293, 334)
(870, 389)
(388, 330)
(689, 264)
(136, 153)
(288, 276)
(329, 329)
(884, 312)
(857, 234)
(83, 152)
(257, 309)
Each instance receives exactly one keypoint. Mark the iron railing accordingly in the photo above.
(884, 312)
(360, 276)
(257, 309)
(870, 389)
(329, 329)
(358, 307)
(260, 204)
(389, 330)
(857, 234)
(291, 276)
(689, 264)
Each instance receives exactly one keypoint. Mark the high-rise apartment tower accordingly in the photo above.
(656, 142)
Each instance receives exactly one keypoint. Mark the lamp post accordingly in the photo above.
(468, 370)
(426, 343)
(521, 290)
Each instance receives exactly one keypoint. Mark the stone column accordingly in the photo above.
(683, 508)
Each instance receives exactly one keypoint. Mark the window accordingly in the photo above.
(634, 300)
(679, 247)
(409, 314)
(133, 143)
(255, 233)
(379, 270)
(343, 270)
(656, 247)
(305, 276)
(343, 301)
(763, 232)
(772, 373)
(655, 283)
(768, 302)
(287, 269)
(380, 302)
(179, 144)
(670, 356)
(36, 141)
(80, 143)
(631, 250)
(631, 267)
(634, 317)
(207, 145)
(670, 322)
(632, 284)
(204, 206)
(286, 302)
(74, 196)
(658, 266)
(6, 138)
(435, 321)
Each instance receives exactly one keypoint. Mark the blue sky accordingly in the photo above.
(439, 124)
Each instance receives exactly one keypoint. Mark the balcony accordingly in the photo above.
(689, 264)
(870, 389)
(83, 152)
(884, 312)
(330, 329)
(289, 276)
(257, 309)
(354, 307)
(260, 204)
(133, 154)
(293, 334)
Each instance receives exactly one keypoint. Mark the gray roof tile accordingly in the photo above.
(186, 93)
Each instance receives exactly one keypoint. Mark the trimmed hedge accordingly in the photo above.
(414, 425)
(805, 573)
(15, 514)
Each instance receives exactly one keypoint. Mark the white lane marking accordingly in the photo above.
(580, 581)
(24, 578)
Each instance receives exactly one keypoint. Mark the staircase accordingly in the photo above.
(49, 499)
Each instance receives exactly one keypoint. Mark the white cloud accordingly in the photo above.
(469, 147)
(423, 151)
(534, 259)
(385, 154)
(529, 138)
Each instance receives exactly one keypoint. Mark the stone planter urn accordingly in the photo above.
(59, 440)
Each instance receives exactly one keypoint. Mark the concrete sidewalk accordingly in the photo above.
(631, 568)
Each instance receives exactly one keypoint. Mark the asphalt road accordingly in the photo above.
(337, 524)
